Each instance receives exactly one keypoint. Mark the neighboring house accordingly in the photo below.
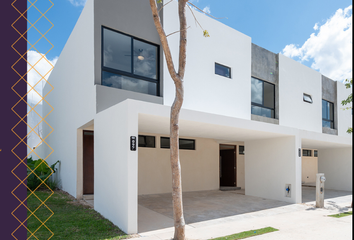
(247, 113)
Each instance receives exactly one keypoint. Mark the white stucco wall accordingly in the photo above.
(204, 90)
(269, 165)
(336, 164)
(116, 167)
(72, 99)
(296, 79)
(200, 167)
(345, 117)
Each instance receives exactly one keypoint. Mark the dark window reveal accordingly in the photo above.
(327, 114)
(306, 153)
(307, 98)
(146, 141)
(241, 150)
(262, 98)
(315, 153)
(222, 70)
(129, 63)
(187, 144)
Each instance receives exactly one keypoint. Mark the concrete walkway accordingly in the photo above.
(213, 214)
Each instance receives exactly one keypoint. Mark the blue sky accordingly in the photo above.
(277, 25)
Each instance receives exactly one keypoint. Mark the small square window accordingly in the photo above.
(146, 141)
(222, 70)
(306, 153)
(315, 153)
(241, 150)
(307, 98)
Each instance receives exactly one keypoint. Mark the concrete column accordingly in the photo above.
(320, 190)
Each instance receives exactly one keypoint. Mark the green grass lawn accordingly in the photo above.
(339, 215)
(248, 234)
(71, 220)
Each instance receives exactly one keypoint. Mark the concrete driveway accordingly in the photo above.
(215, 213)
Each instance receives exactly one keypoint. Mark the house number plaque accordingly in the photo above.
(132, 143)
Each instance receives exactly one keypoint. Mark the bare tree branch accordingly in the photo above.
(183, 37)
(163, 39)
(164, 6)
(203, 11)
(176, 32)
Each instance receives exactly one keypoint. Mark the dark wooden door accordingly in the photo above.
(88, 171)
(227, 167)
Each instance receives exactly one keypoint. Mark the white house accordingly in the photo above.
(248, 116)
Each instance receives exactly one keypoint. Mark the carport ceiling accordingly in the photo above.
(161, 125)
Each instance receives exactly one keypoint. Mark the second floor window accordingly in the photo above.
(262, 98)
(129, 63)
(327, 114)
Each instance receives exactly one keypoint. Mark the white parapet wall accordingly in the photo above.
(115, 184)
(336, 164)
(270, 164)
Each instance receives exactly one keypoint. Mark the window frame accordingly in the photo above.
(307, 151)
(224, 67)
(145, 141)
(328, 120)
(194, 148)
(262, 105)
(307, 95)
(131, 74)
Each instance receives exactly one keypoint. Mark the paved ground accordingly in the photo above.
(211, 214)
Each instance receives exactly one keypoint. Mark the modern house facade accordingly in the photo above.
(248, 118)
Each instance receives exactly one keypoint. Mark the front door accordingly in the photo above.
(88, 162)
(227, 166)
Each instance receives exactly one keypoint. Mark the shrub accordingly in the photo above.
(41, 168)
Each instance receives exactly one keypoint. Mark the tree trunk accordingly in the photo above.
(175, 110)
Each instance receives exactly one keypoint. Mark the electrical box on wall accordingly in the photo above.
(287, 190)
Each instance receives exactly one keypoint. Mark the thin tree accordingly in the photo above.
(177, 77)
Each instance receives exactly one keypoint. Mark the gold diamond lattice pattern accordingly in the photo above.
(31, 6)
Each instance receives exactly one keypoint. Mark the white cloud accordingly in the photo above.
(78, 3)
(38, 67)
(331, 48)
(315, 27)
(207, 9)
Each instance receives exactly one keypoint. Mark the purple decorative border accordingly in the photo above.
(8, 119)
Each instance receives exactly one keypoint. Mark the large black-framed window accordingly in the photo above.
(130, 63)
(327, 114)
(262, 98)
(186, 144)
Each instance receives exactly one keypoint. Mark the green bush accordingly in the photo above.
(41, 168)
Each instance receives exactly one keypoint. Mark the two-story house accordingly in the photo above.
(248, 116)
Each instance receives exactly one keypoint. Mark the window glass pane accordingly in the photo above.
(256, 110)
(307, 98)
(165, 142)
(222, 70)
(267, 113)
(324, 109)
(330, 112)
(128, 83)
(187, 144)
(315, 153)
(241, 150)
(256, 91)
(146, 141)
(326, 124)
(116, 51)
(145, 59)
(268, 95)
